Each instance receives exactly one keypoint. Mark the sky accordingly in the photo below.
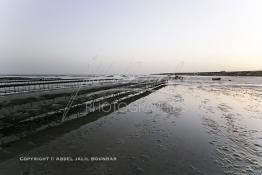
(129, 36)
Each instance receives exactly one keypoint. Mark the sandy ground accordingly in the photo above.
(185, 128)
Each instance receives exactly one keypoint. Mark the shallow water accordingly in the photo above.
(189, 127)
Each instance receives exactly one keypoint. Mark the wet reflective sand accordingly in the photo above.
(183, 128)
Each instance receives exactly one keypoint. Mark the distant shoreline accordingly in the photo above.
(221, 73)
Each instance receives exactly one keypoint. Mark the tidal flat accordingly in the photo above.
(190, 126)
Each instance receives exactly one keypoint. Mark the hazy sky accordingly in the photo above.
(129, 36)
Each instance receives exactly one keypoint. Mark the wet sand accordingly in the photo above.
(183, 128)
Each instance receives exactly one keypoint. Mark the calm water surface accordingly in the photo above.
(194, 126)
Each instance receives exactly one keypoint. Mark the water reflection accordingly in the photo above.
(183, 129)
